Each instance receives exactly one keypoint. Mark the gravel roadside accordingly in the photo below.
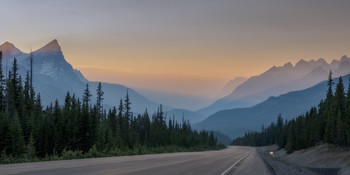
(280, 167)
(318, 160)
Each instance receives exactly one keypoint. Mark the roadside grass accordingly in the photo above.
(95, 153)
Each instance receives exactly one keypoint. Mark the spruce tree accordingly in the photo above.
(2, 84)
(340, 96)
(127, 104)
(329, 112)
(99, 100)
(347, 116)
(330, 86)
(126, 119)
(5, 130)
(86, 95)
(31, 70)
(32, 92)
(17, 146)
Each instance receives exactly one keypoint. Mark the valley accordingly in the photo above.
(258, 87)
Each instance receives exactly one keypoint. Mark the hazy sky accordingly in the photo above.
(186, 46)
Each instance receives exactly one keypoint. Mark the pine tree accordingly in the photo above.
(347, 116)
(291, 142)
(329, 112)
(85, 122)
(112, 120)
(330, 86)
(340, 96)
(31, 70)
(87, 95)
(339, 130)
(2, 84)
(5, 129)
(27, 116)
(17, 146)
(99, 100)
(16, 83)
(31, 153)
(126, 120)
(338, 114)
(127, 104)
(94, 126)
(59, 126)
(32, 92)
(212, 141)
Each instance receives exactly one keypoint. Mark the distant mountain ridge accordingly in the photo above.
(235, 122)
(231, 85)
(53, 77)
(184, 114)
(277, 81)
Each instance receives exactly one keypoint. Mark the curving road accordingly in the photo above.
(232, 160)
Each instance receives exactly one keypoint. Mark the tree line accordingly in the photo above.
(329, 122)
(82, 128)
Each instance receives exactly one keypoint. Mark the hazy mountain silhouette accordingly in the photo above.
(277, 81)
(235, 122)
(184, 114)
(231, 85)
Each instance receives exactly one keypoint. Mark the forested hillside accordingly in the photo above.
(82, 128)
(329, 122)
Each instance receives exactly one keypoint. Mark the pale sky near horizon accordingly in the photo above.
(183, 46)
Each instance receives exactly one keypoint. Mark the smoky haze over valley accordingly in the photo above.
(254, 87)
(188, 49)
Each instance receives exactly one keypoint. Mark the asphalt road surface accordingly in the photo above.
(233, 160)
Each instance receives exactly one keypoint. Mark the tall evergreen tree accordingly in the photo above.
(340, 96)
(32, 92)
(126, 119)
(347, 116)
(330, 86)
(86, 95)
(2, 84)
(31, 69)
(127, 104)
(17, 145)
(16, 84)
(99, 100)
(5, 130)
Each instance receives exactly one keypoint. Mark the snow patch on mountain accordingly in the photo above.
(48, 69)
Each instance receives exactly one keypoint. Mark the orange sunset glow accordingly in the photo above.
(189, 47)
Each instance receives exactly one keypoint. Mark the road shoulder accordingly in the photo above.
(317, 160)
(253, 164)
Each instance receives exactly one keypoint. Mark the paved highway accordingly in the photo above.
(233, 160)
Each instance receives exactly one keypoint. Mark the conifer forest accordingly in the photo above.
(82, 128)
(329, 122)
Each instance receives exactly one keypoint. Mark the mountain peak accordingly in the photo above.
(321, 60)
(288, 65)
(52, 46)
(302, 62)
(9, 49)
(344, 58)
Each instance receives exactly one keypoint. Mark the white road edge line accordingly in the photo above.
(234, 164)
